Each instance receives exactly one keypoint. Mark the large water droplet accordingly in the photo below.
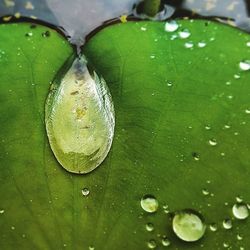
(171, 26)
(240, 211)
(227, 224)
(149, 203)
(184, 34)
(152, 244)
(188, 225)
(244, 65)
(80, 119)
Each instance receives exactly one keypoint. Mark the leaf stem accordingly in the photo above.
(149, 7)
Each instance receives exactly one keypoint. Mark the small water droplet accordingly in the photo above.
(184, 34)
(152, 244)
(208, 127)
(239, 237)
(247, 111)
(244, 65)
(143, 28)
(46, 33)
(225, 244)
(202, 44)
(85, 192)
(1, 211)
(236, 76)
(240, 211)
(173, 37)
(248, 44)
(29, 34)
(239, 199)
(171, 26)
(196, 156)
(169, 83)
(149, 227)
(188, 225)
(91, 248)
(189, 45)
(213, 227)
(13, 228)
(227, 224)
(228, 83)
(149, 203)
(212, 142)
(165, 241)
(205, 192)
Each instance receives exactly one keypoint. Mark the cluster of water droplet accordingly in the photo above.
(189, 225)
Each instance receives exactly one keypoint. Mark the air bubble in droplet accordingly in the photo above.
(227, 224)
(188, 225)
(213, 142)
(152, 244)
(244, 65)
(149, 227)
(149, 203)
(171, 26)
(85, 192)
(189, 45)
(240, 211)
(202, 44)
(165, 241)
(184, 34)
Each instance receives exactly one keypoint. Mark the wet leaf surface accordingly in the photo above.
(182, 136)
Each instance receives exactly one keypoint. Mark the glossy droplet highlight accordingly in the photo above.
(240, 211)
(188, 225)
(227, 224)
(79, 119)
(244, 65)
(149, 203)
(171, 26)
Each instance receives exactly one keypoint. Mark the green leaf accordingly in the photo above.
(170, 101)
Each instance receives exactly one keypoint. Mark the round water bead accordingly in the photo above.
(188, 225)
(240, 211)
(149, 203)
